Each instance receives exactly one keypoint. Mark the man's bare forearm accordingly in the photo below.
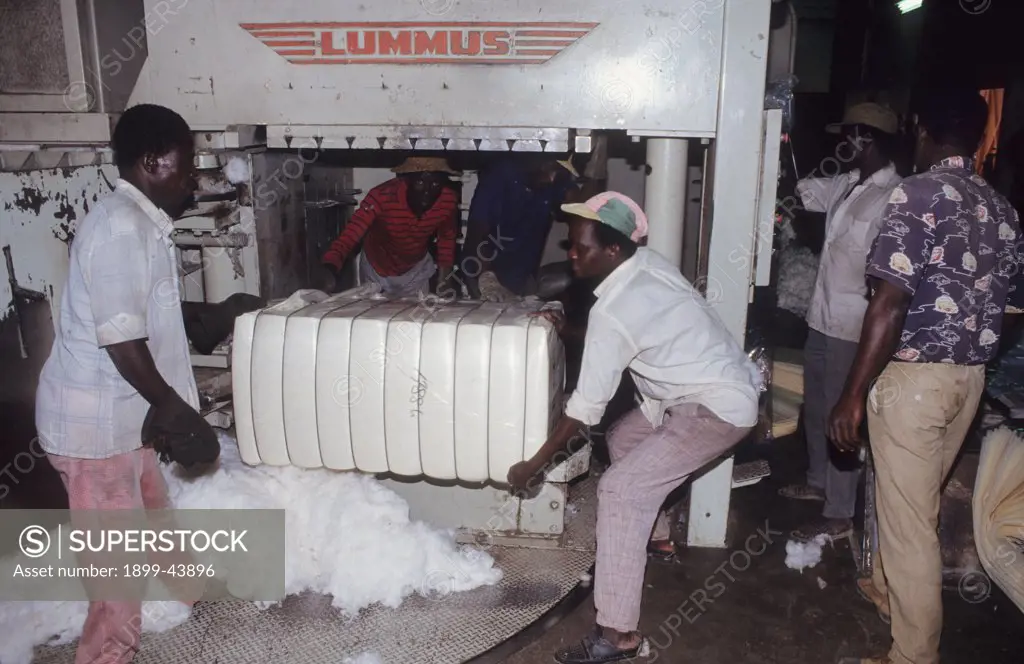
(444, 287)
(879, 337)
(134, 362)
(565, 430)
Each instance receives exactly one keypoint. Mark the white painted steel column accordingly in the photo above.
(665, 196)
(736, 188)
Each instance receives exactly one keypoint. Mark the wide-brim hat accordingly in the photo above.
(870, 114)
(424, 165)
(613, 209)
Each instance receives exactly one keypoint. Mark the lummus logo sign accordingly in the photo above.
(419, 43)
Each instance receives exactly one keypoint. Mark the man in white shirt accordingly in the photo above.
(853, 203)
(121, 357)
(698, 390)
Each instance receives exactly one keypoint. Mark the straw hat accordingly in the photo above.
(870, 114)
(424, 165)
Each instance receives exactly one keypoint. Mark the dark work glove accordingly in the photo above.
(207, 325)
(326, 279)
(179, 434)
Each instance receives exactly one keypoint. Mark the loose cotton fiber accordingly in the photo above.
(347, 535)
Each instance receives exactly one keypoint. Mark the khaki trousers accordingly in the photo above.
(918, 417)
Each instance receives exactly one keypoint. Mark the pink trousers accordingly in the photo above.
(647, 464)
(127, 481)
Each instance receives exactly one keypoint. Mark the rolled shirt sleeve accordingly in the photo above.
(904, 245)
(117, 275)
(357, 226)
(607, 351)
(815, 193)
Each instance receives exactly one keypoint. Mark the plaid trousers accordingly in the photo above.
(647, 465)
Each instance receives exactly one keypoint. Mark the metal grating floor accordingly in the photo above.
(442, 630)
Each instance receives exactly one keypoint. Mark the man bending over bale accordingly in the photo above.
(699, 399)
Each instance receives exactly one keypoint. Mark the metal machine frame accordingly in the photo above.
(670, 74)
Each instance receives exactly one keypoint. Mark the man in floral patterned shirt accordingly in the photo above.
(940, 271)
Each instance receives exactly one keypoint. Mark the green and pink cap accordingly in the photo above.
(613, 209)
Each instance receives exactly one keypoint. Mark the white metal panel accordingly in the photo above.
(736, 187)
(766, 203)
(41, 210)
(691, 234)
(650, 67)
(406, 137)
(44, 128)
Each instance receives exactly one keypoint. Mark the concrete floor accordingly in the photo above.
(737, 605)
(743, 605)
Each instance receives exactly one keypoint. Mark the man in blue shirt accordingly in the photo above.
(509, 220)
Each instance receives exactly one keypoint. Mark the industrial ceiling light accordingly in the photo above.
(906, 6)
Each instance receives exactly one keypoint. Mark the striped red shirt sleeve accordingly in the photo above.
(354, 231)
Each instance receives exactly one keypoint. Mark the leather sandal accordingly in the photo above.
(595, 649)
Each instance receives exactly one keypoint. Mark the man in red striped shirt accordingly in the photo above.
(397, 220)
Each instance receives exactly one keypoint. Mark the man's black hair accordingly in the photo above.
(955, 117)
(145, 129)
(607, 236)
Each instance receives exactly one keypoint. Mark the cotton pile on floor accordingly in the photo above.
(801, 555)
(25, 625)
(347, 536)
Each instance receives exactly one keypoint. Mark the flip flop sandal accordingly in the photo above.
(595, 649)
(808, 533)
